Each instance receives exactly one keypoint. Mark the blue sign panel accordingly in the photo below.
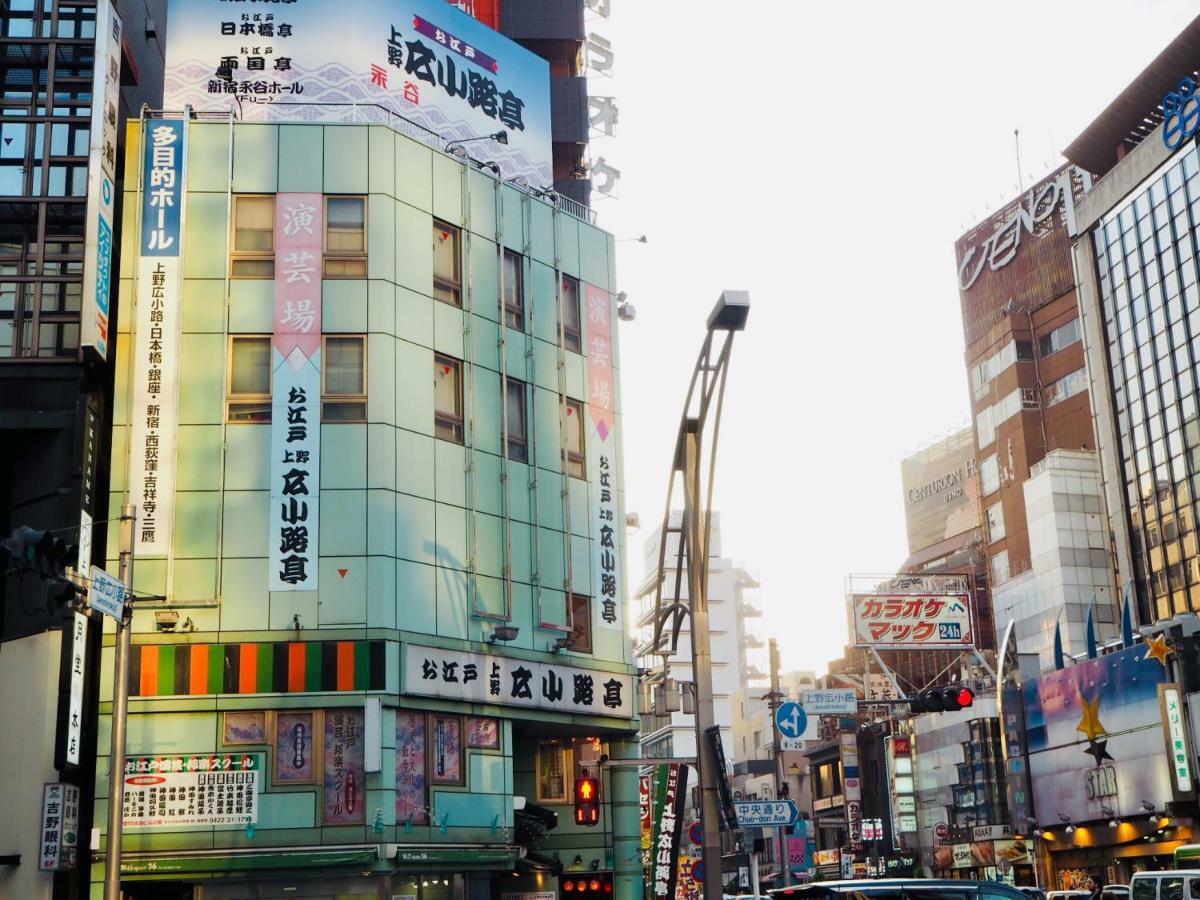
(791, 719)
(163, 188)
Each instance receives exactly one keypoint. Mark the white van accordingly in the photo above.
(1176, 884)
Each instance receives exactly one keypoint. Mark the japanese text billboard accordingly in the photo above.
(911, 621)
(154, 413)
(210, 789)
(483, 678)
(310, 60)
(602, 458)
(345, 775)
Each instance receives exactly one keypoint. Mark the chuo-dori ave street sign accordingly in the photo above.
(765, 813)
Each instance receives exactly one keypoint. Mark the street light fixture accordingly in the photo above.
(500, 137)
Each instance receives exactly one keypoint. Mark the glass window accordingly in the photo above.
(989, 475)
(514, 293)
(249, 397)
(345, 237)
(554, 762)
(1170, 889)
(995, 523)
(1062, 336)
(446, 267)
(572, 331)
(344, 370)
(1067, 386)
(447, 399)
(1000, 567)
(581, 623)
(574, 456)
(517, 443)
(253, 237)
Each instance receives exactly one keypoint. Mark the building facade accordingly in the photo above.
(370, 425)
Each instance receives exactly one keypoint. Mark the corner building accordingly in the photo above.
(378, 482)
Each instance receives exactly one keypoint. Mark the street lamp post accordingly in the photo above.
(706, 391)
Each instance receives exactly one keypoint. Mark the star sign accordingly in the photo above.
(1098, 750)
(1157, 649)
(1090, 723)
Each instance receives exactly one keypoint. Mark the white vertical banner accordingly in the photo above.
(296, 393)
(79, 637)
(602, 460)
(154, 411)
(101, 191)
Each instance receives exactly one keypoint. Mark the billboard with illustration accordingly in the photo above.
(424, 60)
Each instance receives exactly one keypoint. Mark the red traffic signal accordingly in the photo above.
(965, 697)
(587, 801)
(946, 699)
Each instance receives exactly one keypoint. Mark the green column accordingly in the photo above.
(626, 821)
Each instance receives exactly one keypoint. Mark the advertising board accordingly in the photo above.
(422, 66)
(911, 621)
(941, 491)
(206, 789)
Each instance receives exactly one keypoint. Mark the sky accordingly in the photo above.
(825, 157)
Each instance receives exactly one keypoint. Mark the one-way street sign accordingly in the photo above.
(765, 813)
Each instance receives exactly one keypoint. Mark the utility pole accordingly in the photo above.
(116, 757)
(780, 776)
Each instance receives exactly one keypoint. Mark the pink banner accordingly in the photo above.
(599, 359)
(299, 222)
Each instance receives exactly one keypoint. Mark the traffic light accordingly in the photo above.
(37, 553)
(587, 801)
(943, 699)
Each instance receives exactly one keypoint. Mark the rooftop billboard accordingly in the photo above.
(941, 491)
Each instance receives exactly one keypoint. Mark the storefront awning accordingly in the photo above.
(227, 861)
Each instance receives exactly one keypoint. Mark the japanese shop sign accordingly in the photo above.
(155, 364)
(831, 702)
(101, 190)
(669, 801)
(644, 810)
(1181, 113)
(484, 678)
(296, 393)
(1177, 745)
(423, 60)
(75, 699)
(411, 796)
(602, 459)
(217, 789)
(60, 827)
(345, 775)
(911, 621)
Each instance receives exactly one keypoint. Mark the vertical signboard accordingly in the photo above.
(852, 790)
(602, 459)
(155, 365)
(60, 827)
(296, 393)
(74, 730)
(1175, 731)
(345, 776)
(644, 810)
(669, 798)
(101, 195)
(411, 794)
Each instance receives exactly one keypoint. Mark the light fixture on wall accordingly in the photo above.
(504, 633)
(166, 619)
(500, 137)
(626, 311)
(566, 642)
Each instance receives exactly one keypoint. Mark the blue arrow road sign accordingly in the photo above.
(791, 719)
(765, 813)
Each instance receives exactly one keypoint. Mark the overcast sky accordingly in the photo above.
(824, 157)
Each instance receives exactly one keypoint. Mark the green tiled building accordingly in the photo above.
(393, 631)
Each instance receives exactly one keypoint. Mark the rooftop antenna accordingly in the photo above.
(1017, 141)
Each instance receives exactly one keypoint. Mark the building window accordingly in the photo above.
(516, 439)
(573, 457)
(514, 291)
(1000, 568)
(581, 622)
(344, 371)
(253, 237)
(995, 523)
(1062, 336)
(447, 399)
(345, 237)
(1067, 386)
(989, 475)
(447, 281)
(554, 764)
(572, 331)
(249, 397)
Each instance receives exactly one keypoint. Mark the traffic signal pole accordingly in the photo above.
(785, 865)
(116, 757)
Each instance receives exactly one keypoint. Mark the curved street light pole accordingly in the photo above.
(706, 393)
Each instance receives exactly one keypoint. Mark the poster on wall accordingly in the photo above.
(911, 621)
(345, 778)
(154, 413)
(296, 393)
(59, 832)
(411, 789)
(447, 750)
(294, 763)
(483, 733)
(602, 459)
(205, 789)
(421, 66)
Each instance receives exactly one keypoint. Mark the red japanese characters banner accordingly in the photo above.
(296, 393)
(602, 458)
(911, 621)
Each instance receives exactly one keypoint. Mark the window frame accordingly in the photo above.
(995, 528)
(574, 464)
(566, 755)
(514, 312)
(248, 398)
(328, 398)
(343, 256)
(510, 435)
(455, 421)
(453, 287)
(236, 256)
(585, 645)
(572, 337)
